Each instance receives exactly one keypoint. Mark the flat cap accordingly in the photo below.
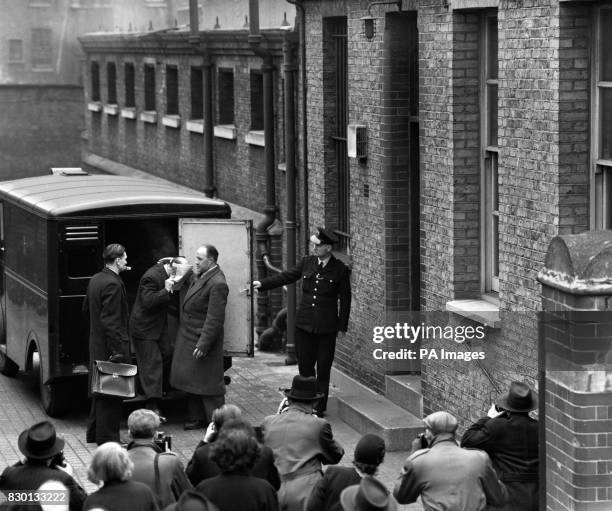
(441, 422)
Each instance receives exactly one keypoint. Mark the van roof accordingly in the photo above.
(59, 195)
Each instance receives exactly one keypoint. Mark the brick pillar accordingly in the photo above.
(576, 376)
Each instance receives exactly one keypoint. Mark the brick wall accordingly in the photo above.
(40, 129)
(177, 153)
(575, 29)
(466, 154)
(436, 135)
(577, 373)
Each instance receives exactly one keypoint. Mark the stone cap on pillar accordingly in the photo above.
(579, 263)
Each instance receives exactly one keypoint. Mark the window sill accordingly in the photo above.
(227, 131)
(149, 116)
(49, 69)
(481, 311)
(16, 62)
(111, 109)
(94, 106)
(171, 121)
(128, 112)
(255, 138)
(195, 125)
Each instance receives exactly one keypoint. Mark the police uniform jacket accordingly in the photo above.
(449, 477)
(107, 305)
(326, 294)
(149, 315)
(511, 440)
(202, 318)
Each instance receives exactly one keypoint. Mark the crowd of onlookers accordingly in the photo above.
(279, 466)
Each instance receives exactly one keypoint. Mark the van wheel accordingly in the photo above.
(54, 397)
(7, 366)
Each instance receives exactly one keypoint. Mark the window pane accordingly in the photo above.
(492, 111)
(492, 47)
(42, 51)
(15, 50)
(605, 123)
(605, 49)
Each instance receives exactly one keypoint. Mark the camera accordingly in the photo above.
(164, 442)
(58, 460)
(424, 442)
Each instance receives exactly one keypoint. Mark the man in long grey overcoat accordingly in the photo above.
(197, 366)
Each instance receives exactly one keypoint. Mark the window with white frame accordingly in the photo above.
(149, 87)
(111, 83)
(130, 84)
(490, 155)
(601, 115)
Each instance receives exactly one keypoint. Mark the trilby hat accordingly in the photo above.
(40, 441)
(303, 388)
(520, 398)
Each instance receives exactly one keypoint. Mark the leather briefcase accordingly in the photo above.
(112, 379)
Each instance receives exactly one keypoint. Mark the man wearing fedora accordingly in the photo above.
(447, 476)
(369, 495)
(510, 437)
(301, 443)
(324, 309)
(44, 461)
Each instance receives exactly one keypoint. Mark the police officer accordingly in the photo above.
(324, 309)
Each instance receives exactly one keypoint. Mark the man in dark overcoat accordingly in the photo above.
(107, 306)
(323, 312)
(44, 461)
(149, 329)
(510, 437)
(197, 365)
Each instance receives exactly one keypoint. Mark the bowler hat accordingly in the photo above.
(369, 495)
(324, 237)
(441, 422)
(520, 398)
(40, 442)
(303, 388)
(370, 450)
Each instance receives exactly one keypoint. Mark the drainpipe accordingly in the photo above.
(302, 44)
(210, 190)
(289, 68)
(261, 231)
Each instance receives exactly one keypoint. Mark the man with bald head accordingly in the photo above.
(197, 366)
(445, 475)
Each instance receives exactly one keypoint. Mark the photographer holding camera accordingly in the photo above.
(510, 437)
(44, 461)
(159, 470)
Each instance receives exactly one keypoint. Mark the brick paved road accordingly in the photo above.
(254, 389)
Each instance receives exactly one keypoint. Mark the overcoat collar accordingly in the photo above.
(199, 283)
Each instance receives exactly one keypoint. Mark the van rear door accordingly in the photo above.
(233, 240)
